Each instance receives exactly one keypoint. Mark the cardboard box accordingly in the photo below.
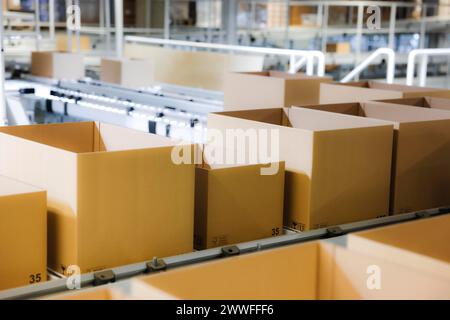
(200, 69)
(425, 102)
(340, 47)
(127, 72)
(23, 234)
(423, 244)
(421, 158)
(315, 270)
(124, 290)
(237, 204)
(371, 90)
(62, 43)
(115, 196)
(272, 89)
(337, 166)
(57, 64)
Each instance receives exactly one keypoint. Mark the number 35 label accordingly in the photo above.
(34, 278)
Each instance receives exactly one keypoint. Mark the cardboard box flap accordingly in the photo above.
(422, 244)
(416, 102)
(398, 87)
(429, 237)
(284, 273)
(114, 138)
(271, 116)
(84, 137)
(425, 102)
(9, 187)
(398, 113)
(74, 137)
(316, 120)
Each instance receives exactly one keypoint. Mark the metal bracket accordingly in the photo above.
(104, 277)
(334, 232)
(230, 251)
(156, 265)
(422, 214)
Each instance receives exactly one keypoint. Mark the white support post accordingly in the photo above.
(423, 66)
(68, 27)
(118, 14)
(392, 26)
(51, 19)
(77, 31)
(3, 118)
(108, 25)
(166, 19)
(37, 23)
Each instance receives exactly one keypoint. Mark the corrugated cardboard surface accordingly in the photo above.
(424, 102)
(127, 72)
(23, 234)
(58, 65)
(421, 166)
(372, 90)
(98, 186)
(423, 245)
(273, 89)
(285, 273)
(195, 69)
(337, 167)
(237, 204)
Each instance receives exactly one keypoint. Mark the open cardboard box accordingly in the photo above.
(271, 89)
(309, 271)
(372, 90)
(115, 196)
(57, 65)
(200, 69)
(127, 72)
(421, 155)
(424, 102)
(337, 166)
(23, 234)
(236, 203)
(423, 244)
(124, 290)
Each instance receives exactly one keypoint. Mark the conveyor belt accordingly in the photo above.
(167, 110)
(124, 272)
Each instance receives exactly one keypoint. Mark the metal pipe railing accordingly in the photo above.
(390, 71)
(312, 56)
(424, 53)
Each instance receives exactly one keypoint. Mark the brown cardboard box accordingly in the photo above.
(371, 90)
(315, 270)
(340, 47)
(423, 244)
(421, 159)
(23, 234)
(62, 41)
(56, 64)
(125, 290)
(115, 196)
(127, 72)
(272, 89)
(337, 167)
(237, 204)
(425, 102)
(195, 69)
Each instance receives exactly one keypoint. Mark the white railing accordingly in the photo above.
(297, 57)
(390, 70)
(423, 65)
